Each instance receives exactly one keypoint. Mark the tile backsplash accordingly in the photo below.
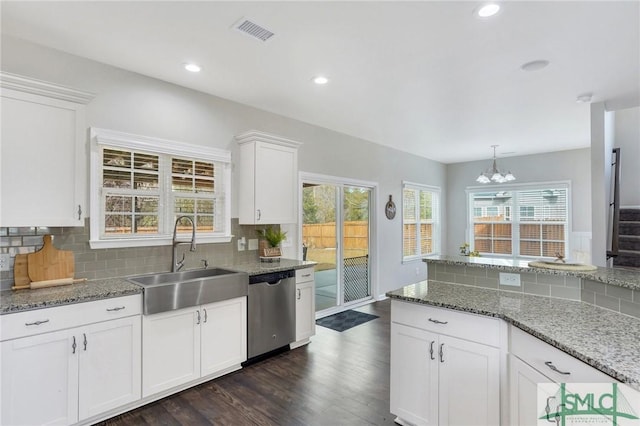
(108, 263)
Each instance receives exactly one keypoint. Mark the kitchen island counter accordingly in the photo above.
(606, 340)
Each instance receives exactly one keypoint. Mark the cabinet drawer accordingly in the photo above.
(537, 353)
(475, 328)
(304, 275)
(38, 321)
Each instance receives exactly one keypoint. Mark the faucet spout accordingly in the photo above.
(177, 265)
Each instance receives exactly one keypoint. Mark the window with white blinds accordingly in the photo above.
(140, 186)
(420, 221)
(527, 222)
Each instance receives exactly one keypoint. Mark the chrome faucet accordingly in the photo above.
(177, 265)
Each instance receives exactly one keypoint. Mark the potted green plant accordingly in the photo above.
(272, 237)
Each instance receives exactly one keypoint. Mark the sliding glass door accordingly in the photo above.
(336, 234)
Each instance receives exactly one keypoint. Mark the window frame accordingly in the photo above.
(435, 221)
(166, 150)
(516, 217)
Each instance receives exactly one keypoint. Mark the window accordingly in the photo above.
(140, 186)
(420, 221)
(540, 228)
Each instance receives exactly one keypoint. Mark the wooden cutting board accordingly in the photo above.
(20, 272)
(49, 263)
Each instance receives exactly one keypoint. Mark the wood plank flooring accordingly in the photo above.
(338, 379)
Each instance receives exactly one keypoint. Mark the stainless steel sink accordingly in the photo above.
(176, 290)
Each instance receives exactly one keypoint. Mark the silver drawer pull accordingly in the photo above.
(438, 322)
(306, 275)
(119, 308)
(35, 322)
(554, 368)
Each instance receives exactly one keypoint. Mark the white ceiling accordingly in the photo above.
(423, 77)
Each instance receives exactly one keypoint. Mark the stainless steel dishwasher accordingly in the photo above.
(271, 313)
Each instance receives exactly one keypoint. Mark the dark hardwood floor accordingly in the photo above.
(338, 379)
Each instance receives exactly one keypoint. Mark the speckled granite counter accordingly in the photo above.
(606, 340)
(257, 267)
(621, 277)
(24, 300)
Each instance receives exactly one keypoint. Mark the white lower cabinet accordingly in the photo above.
(439, 376)
(182, 346)
(66, 376)
(305, 306)
(523, 391)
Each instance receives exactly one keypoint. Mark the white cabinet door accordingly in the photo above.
(42, 149)
(110, 365)
(40, 380)
(268, 179)
(523, 392)
(170, 349)
(414, 375)
(305, 310)
(223, 335)
(469, 380)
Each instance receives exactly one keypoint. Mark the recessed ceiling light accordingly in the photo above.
(535, 65)
(192, 67)
(320, 79)
(488, 10)
(584, 98)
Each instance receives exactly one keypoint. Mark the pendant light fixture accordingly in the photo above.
(493, 174)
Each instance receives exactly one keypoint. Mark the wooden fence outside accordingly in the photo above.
(323, 235)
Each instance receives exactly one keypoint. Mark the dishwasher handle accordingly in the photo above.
(272, 278)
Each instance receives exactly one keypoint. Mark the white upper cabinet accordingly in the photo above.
(268, 179)
(42, 155)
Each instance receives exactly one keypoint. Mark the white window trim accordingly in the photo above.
(516, 232)
(437, 231)
(115, 139)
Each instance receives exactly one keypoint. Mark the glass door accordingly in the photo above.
(336, 235)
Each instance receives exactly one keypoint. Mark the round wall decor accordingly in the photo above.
(390, 209)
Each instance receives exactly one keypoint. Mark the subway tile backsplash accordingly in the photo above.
(109, 263)
(607, 296)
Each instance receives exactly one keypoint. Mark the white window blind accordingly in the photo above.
(539, 227)
(140, 186)
(420, 221)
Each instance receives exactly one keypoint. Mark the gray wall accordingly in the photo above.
(627, 138)
(133, 103)
(573, 166)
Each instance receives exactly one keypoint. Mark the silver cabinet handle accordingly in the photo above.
(85, 341)
(433, 342)
(74, 346)
(299, 294)
(36, 322)
(198, 313)
(259, 214)
(306, 275)
(205, 315)
(441, 352)
(438, 322)
(79, 212)
(554, 368)
(118, 308)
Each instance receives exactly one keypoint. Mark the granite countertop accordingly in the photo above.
(621, 277)
(606, 340)
(24, 300)
(257, 267)
(12, 301)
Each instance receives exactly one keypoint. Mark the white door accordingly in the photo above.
(170, 349)
(110, 365)
(305, 311)
(40, 380)
(523, 392)
(223, 335)
(414, 375)
(469, 383)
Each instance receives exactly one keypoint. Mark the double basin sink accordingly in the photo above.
(176, 290)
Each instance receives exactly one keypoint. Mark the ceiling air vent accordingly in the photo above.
(252, 29)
